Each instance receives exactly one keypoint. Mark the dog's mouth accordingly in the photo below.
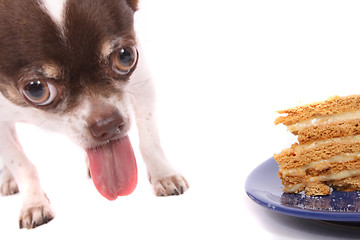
(113, 168)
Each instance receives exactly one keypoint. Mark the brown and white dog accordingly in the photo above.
(74, 67)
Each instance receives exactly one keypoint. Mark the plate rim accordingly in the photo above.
(251, 191)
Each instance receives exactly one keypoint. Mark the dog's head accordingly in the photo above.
(69, 62)
(65, 65)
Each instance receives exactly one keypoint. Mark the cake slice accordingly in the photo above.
(327, 154)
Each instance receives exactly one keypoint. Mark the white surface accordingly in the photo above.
(222, 69)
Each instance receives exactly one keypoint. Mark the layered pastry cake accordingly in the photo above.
(327, 154)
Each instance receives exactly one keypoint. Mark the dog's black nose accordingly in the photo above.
(107, 127)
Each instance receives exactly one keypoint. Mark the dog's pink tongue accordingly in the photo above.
(113, 168)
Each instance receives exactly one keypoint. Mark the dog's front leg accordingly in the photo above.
(165, 180)
(36, 206)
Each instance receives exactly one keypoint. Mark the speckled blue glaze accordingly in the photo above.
(264, 187)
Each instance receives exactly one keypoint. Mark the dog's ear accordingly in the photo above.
(133, 4)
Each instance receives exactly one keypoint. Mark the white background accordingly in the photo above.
(222, 69)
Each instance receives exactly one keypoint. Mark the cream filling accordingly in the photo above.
(341, 158)
(293, 187)
(336, 176)
(324, 119)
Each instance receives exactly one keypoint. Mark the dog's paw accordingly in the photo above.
(35, 215)
(168, 186)
(9, 187)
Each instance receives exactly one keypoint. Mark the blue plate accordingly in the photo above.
(264, 187)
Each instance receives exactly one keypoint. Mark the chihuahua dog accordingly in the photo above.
(74, 67)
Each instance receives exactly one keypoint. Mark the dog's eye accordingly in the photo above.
(39, 92)
(125, 60)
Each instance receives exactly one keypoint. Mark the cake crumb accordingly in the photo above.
(317, 189)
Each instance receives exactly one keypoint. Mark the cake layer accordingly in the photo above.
(328, 130)
(299, 155)
(310, 188)
(333, 172)
(322, 120)
(334, 105)
(341, 162)
(347, 184)
(348, 180)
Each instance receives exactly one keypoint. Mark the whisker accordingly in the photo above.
(146, 80)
